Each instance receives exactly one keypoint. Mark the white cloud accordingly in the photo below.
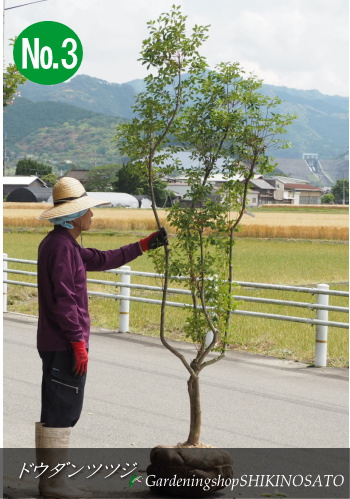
(296, 43)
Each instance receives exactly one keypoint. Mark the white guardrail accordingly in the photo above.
(321, 306)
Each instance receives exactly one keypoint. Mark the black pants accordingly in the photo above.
(62, 393)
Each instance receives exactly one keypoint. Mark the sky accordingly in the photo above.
(302, 44)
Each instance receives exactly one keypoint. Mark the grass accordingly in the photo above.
(275, 261)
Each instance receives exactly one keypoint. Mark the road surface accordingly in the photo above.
(136, 396)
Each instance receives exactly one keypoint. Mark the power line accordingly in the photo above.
(23, 4)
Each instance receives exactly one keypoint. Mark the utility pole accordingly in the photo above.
(6, 137)
(3, 44)
(5, 152)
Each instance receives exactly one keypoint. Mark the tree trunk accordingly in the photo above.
(195, 408)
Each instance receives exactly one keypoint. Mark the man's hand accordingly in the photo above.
(80, 358)
(155, 240)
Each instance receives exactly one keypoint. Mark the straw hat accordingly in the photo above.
(69, 196)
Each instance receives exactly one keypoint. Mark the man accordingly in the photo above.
(64, 324)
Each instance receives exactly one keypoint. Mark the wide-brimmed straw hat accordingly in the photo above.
(69, 196)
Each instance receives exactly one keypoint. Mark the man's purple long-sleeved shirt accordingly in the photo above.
(62, 289)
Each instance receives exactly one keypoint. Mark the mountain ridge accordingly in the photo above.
(60, 115)
(79, 83)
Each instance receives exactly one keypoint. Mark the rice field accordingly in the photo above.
(278, 261)
(305, 207)
(295, 224)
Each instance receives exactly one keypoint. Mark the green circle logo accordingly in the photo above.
(48, 53)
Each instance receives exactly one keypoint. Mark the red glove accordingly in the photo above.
(155, 240)
(81, 358)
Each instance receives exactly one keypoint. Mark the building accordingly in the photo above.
(303, 193)
(252, 198)
(271, 190)
(117, 200)
(261, 192)
(29, 195)
(180, 189)
(294, 191)
(179, 185)
(80, 175)
(11, 183)
(144, 200)
(123, 200)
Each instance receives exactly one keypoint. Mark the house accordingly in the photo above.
(180, 189)
(10, 183)
(179, 186)
(262, 192)
(252, 198)
(217, 180)
(294, 191)
(80, 175)
(303, 193)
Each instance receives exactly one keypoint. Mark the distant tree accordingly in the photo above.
(327, 198)
(28, 166)
(340, 191)
(50, 179)
(102, 178)
(132, 180)
(11, 79)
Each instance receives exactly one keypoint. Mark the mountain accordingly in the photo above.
(93, 94)
(59, 133)
(76, 120)
(322, 126)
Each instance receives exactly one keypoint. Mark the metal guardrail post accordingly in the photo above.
(321, 331)
(5, 283)
(124, 310)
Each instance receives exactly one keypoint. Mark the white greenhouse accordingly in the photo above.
(117, 199)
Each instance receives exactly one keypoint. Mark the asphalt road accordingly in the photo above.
(136, 396)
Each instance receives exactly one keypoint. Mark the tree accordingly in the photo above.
(340, 191)
(50, 179)
(223, 120)
(28, 166)
(229, 128)
(327, 198)
(133, 181)
(170, 53)
(11, 79)
(102, 178)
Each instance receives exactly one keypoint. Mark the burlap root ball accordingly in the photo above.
(191, 464)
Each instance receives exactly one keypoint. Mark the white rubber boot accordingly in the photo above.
(52, 447)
